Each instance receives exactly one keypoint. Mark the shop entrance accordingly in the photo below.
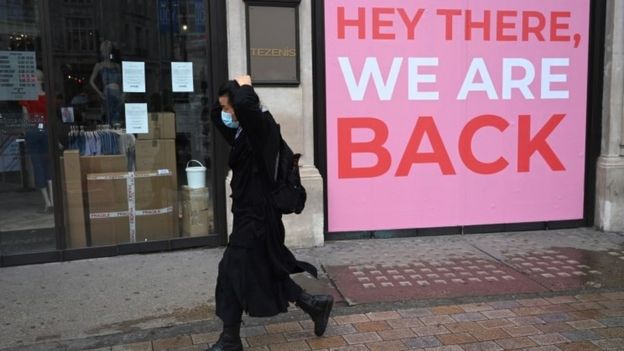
(102, 106)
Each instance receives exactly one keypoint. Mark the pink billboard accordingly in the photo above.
(451, 113)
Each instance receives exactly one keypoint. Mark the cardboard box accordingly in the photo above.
(161, 125)
(131, 207)
(74, 200)
(103, 164)
(197, 213)
(199, 223)
(154, 155)
(198, 198)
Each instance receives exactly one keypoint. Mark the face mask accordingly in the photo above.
(228, 120)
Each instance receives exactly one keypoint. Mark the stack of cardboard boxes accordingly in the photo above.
(106, 204)
(76, 169)
(197, 214)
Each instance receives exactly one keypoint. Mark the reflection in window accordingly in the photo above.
(80, 34)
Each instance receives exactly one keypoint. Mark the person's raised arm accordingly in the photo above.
(249, 114)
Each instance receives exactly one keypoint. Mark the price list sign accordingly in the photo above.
(18, 75)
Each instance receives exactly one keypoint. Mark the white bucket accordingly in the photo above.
(196, 175)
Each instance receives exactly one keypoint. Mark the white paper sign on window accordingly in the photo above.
(18, 79)
(136, 119)
(133, 76)
(182, 77)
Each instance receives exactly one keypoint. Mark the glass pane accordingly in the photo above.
(26, 208)
(127, 131)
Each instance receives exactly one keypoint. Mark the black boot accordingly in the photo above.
(319, 308)
(229, 340)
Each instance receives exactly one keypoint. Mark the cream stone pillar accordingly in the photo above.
(610, 168)
(292, 108)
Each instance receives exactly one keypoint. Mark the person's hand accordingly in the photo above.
(243, 80)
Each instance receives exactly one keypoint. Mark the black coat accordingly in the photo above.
(257, 224)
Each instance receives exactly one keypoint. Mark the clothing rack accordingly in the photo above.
(102, 140)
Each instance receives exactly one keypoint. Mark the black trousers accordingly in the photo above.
(238, 283)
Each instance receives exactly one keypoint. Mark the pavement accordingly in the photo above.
(545, 290)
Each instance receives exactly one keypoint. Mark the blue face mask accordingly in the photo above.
(228, 120)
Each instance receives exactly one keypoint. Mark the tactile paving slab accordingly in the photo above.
(424, 279)
(569, 268)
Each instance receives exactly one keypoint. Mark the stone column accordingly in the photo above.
(292, 108)
(610, 168)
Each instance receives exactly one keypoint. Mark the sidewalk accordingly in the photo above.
(146, 298)
(568, 323)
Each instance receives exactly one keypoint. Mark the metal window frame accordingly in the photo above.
(216, 22)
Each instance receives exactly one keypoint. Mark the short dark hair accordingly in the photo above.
(229, 89)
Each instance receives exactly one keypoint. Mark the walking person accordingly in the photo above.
(254, 273)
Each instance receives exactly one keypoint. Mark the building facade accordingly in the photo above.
(105, 110)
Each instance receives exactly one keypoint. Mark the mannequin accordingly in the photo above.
(36, 115)
(111, 93)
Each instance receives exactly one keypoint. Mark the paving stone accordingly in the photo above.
(415, 312)
(336, 330)
(430, 330)
(543, 348)
(561, 299)
(198, 347)
(495, 314)
(555, 317)
(554, 327)
(444, 348)
(447, 309)
(560, 308)
(290, 346)
(529, 320)
(586, 324)
(476, 307)
(393, 345)
(359, 347)
(351, 319)
(534, 302)
(610, 344)
(422, 342)
(497, 305)
(462, 327)
(516, 343)
(579, 346)
(490, 334)
(610, 333)
(138, 346)
(528, 311)
(372, 326)
(265, 339)
(405, 323)
(613, 321)
(383, 316)
(469, 317)
(396, 334)
(496, 323)
(437, 320)
(172, 343)
(548, 339)
(454, 339)
(326, 342)
(581, 335)
(299, 335)
(522, 330)
(283, 327)
(206, 338)
(482, 346)
(362, 338)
